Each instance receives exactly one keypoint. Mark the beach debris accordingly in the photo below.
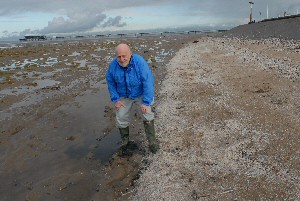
(70, 138)
(52, 87)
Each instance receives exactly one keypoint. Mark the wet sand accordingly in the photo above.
(58, 140)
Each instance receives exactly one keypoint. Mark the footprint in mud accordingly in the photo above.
(118, 172)
(109, 112)
(90, 156)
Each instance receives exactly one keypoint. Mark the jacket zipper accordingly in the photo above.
(126, 83)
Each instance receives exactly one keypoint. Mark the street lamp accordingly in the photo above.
(251, 3)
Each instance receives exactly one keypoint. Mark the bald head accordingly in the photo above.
(123, 54)
(122, 48)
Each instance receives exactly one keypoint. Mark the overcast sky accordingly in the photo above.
(18, 17)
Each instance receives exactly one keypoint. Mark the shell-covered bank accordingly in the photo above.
(228, 123)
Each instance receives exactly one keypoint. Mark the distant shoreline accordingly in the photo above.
(11, 43)
(114, 35)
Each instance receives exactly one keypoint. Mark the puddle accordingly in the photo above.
(29, 100)
(30, 64)
(99, 49)
(9, 45)
(35, 98)
(45, 83)
(41, 75)
(2, 79)
(50, 62)
(103, 151)
(17, 90)
(86, 119)
(108, 146)
(74, 54)
(95, 56)
(82, 63)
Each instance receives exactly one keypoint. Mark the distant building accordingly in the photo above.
(195, 32)
(121, 35)
(33, 37)
(222, 30)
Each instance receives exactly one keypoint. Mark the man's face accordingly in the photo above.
(123, 56)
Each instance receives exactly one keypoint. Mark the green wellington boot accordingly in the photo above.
(150, 133)
(125, 137)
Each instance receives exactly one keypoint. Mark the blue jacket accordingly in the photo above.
(132, 82)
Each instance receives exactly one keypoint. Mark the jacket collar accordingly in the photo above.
(131, 60)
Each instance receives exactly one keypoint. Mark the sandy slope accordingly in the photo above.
(228, 124)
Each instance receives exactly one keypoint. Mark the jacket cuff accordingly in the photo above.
(115, 99)
(147, 103)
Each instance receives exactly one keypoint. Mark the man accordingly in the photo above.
(130, 82)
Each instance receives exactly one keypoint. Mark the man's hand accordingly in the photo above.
(119, 104)
(144, 108)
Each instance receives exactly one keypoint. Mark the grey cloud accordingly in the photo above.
(78, 15)
(114, 22)
(75, 16)
(27, 31)
(73, 24)
(81, 23)
(98, 6)
(14, 7)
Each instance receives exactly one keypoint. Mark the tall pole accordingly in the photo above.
(259, 15)
(267, 11)
(251, 3)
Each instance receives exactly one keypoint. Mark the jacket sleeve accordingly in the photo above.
(148, 82)
(112, 86)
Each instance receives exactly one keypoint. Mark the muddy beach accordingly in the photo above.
(227, 119)
(58, 140)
